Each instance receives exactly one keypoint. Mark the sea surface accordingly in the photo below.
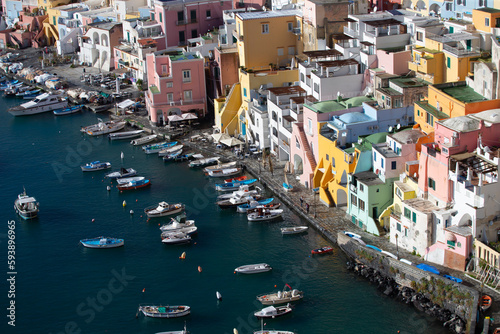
(62, 287)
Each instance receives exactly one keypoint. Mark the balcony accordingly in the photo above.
(461, 51)
(350, 32)
(184, 22)
(296, 31)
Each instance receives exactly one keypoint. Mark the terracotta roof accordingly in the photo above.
(322, 53)
(146, 41)
(287, 90)
(341, 37)
(341, 62)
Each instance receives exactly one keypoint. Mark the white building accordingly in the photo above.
(96, 47)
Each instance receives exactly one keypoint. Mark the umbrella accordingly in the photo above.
(220, 136)
(231, 142)
(189, 116)
(174, 118)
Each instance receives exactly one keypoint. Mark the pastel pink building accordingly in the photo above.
(176, 84)
(182, 20)
(394, 62)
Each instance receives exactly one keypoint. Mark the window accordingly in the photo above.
(170, 84)
(448, 62)
(361, 187)
(161, 17)
(459, 245)
(451, 29)
(450, 244)
(361, 205)
(265, 28)
(482, 3)
(280, 51)
(407, 213)
(353, 200)
(209, 14)
(302, 77)
(186, 76)
(316, 87)
(152, 16)
(164, 69)
(399, 193)
(420, 37)
(194, 33)
(188, 95)
(118, 53)
(382, 163)
(180, 16)
(448, 6)
(170, 97)
(431, 183)
(193, 15)
(414, 217)
(487, 21)
(297, 144)
(291, 50)
(290, 26)
(310, 126)
(418, 112)
(430, 119)
(375, 156)
(327, 157)
(398, 227)
(244, 92)
(393, 164)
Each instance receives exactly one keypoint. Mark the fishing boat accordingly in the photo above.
(294, 229)
(143, 140)
(15, 90)
(123, 172)
(183, 157)
(95, 166)
(236, 179)
(273, 312)
(164, 311)
(243, 208)
(273, 331)
(163, 209)
(172, 155)
(485, 302)
(177, 224)
(322, 250)
(264, 215)
(103, 128)
(189, 230)
(220, 166)
(352, 235)
(184, 331)
(155, 148)
(28, 92)
(42, 103)
(125, 135)
(129, 179)
(281, 297)
(224, 172)
(253, 268)
(243, 189)
(176, 239)
(102, 242)
(27, 207)
(204, 162)
(169, 150)
(233, 185)
(270, 206)
(69, 110)
(134, 185)
(239, 198)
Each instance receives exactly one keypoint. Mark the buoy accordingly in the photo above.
(108, 188)
(218, 295)
(137, 200)
(124, 203)
(275, 285)
(93, 220)
(235, 331)
(131, 212)
(199, 269)
(183, 256)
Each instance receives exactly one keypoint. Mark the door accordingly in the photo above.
(469, 44)
(182, 37)
(375, 212)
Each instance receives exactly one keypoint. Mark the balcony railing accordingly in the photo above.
(296, 31)
(350, 32)
(460, 50)
(184, 22)
(180, 102)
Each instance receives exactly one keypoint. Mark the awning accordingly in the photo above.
(125, 104)
(231, 142)
(175, 118)
(188, 116)
(220, 136)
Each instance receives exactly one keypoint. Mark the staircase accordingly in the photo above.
(18, 42)
(307, 148)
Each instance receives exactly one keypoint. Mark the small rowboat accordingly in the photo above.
(322, 250)
(125, 135)
(236, 179)
(143, 140)
(134, 185)
(485, 302)
(352, 235)
(67, 111)
(102, 242)
(294, 229)
(95, 166)
(123, 172)
(264, 215)
(165, 311)
(253, 268)
(273, 312)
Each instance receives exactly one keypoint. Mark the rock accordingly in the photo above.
(388, 291)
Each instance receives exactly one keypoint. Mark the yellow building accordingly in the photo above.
(260, 66)
(50, 24)
(428, 64)
(403, 190)
(486, 18)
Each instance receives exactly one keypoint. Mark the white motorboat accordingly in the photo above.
(163, 209)
(176, 239)
(123, 172)
(224, 172)
(231, 164)
(239, 199)
(177, 225)
(125, 135)
(294, 229)
(27, 207)
(130, 179)
(244, 188)
(102, 242)
(102, 127)
(95, 166)
(264, 215)
(184, 331)
(164, 311)
(170, 150)
(189, 230)
(281, 297)
(273, 312)
(253, 268)
(204, 162)
(143, 140)
(42, 103)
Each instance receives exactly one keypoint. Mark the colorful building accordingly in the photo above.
(96, 46)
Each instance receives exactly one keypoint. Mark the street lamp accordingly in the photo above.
(397, 249)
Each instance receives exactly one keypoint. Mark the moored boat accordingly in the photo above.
(164, 311)
(123, 172)
(236, 179)
(264, 215)
(253, 268)
(189, 230)
(95, 166)
(102, 242)
(270, 206)
(172, 155)
(294, 229)
(135, 184)
(221, 166)
(102, 127)
(224, 172)
(27, 207)
(125, 135)
(176, 238)
(184, 331)
(204, 162)
(42, 103)
(273, 312)
(143, 140)
(239, 199)
(234, 185)
(28, 92)
(352, 235)
(322, 250)
(163, 209)
(243, 208)
(68, 110)
(183, 157)
(281, 297)
(177, 224)
(287, 187)
(169, 150)
(155, 148)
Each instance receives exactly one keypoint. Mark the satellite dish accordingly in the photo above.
(398, 126)
(390, 129)
(415, 175)
(360, 140)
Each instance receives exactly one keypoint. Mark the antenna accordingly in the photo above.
(398, 126)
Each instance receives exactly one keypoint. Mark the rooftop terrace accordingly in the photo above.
(461, 92)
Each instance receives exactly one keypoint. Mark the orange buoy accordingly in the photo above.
(199, 269)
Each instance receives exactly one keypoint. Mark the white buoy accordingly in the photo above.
(218, 295)
(108, 188)
(124, 203)
(131, 212)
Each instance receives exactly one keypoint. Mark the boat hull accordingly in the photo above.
(169, 312)
(94, 243)
(37, 110)
(151, 214)
(133, 187)
(294, 230)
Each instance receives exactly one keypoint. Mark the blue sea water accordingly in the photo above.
(61, 287)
